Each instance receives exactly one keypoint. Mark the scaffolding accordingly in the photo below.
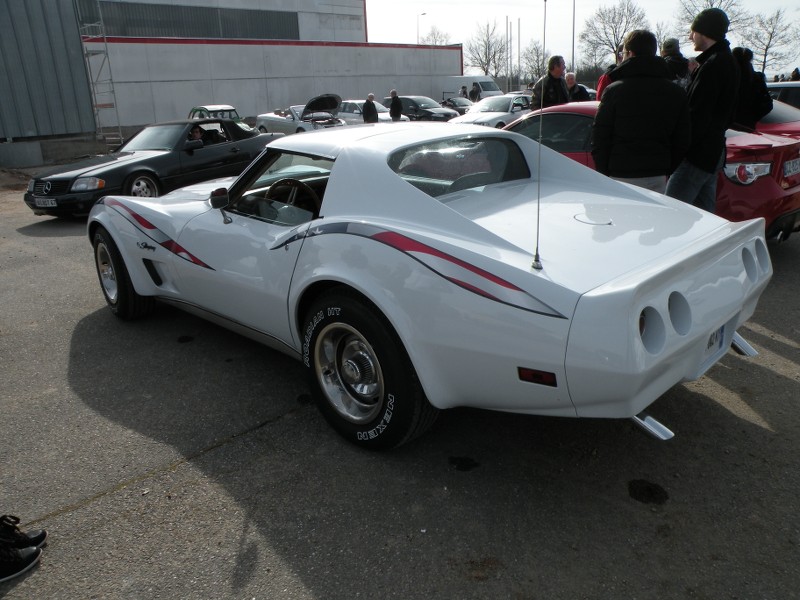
(101, 79)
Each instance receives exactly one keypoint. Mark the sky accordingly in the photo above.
(395, 21)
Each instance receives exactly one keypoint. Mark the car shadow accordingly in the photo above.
(55, 227)
(475, 504)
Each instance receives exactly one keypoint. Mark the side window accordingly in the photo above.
(562, 133)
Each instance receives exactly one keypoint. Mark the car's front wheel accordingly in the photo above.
(142, 185)
(115, 281)
(361, 377)
(262, 129)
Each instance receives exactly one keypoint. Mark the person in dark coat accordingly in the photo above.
(677, 63)
(395, 106)
(713, 89)
(551, 89)
(369, 111)
(754, 101)
(576, 91)
(641, 131)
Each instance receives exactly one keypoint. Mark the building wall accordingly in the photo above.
(44, 90)
(157, 80)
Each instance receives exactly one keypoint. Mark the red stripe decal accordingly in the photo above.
(406, 244)
(139, 219)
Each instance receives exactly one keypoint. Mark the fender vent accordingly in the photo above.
(151, 269)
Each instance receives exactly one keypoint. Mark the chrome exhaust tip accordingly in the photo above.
(653, 427)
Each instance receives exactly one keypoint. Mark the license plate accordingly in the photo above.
(45, 202)
(791, 167)
(714, 343)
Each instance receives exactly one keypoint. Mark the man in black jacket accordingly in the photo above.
(551, 89)
(677, 63)
(713, 89)
(641, 130)
(369, 111)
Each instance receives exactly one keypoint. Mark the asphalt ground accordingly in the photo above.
(170, 458)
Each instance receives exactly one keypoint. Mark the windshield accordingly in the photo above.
(380, 107)
(297, 166)
(157, 137)
(425, 102)
(489, 86)
(491, 104)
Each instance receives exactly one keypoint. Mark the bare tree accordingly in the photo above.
(688, 10)
(604, 31)
(487, 50)
(534, 61)
(661, 32)
(772, 38)
(436, 37)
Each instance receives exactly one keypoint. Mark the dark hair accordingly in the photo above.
(554, 61)
(641, 42)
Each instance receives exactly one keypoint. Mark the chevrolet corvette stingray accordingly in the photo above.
(424, 266)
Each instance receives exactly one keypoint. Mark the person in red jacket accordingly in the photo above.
(604, 80)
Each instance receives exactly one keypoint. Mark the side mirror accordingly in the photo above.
(193, 144)
(219, 198)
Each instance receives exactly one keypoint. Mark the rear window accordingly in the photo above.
(451, 165)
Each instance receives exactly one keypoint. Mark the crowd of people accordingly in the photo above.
(662, 117)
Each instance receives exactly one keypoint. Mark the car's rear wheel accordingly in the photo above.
(142, 185)
(262, 129)
(115, 281)
(361, 377)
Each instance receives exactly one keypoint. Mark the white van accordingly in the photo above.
(452, 84)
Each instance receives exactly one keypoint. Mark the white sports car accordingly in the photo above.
(425, 266)
(319, 113)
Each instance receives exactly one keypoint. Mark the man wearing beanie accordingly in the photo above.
(713, 89)
(677, 64)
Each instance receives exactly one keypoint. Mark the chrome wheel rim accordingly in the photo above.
(105, 269)
(143, 187)
(349, 373)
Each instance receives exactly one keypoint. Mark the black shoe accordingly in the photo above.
(16, 561)
(9, 532)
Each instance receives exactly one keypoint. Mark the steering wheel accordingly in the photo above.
(297, 187)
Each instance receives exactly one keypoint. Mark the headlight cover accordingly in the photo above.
(30, 185)
(87, 184)
(746, 173)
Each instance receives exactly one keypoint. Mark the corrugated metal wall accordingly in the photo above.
(44, 89)
(139, 19)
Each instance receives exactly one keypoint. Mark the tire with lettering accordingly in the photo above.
(361, 377)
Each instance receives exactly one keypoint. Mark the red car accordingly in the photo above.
(783, 119)
(761, 177)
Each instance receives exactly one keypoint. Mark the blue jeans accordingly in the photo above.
(695, 186)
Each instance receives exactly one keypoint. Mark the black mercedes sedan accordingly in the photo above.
(157, 159)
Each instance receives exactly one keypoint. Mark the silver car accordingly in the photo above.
(496, 111)
(320, 113)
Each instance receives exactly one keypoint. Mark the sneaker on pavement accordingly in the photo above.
(9, 532)
(16, 561)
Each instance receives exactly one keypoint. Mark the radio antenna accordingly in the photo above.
(537, 263)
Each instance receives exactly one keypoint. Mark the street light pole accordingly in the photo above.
(418, 16)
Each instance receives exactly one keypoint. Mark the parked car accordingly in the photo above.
(783, 119)
(214, 111)
(352, 114)
(761, 176)
(319, 113)
(785, 91)
(496, 111)
(422, 108)
(457, 103)
(159, 158)
(401, 266)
